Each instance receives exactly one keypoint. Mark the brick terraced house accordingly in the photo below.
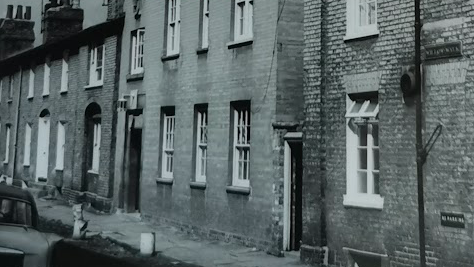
(58, 104)
(359, 181)
(211, 94)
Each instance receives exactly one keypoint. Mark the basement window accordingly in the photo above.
(362, 149)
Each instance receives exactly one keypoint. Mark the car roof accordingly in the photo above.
(15, 192)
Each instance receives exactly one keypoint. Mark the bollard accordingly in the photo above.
(80, 224)
(147, 244)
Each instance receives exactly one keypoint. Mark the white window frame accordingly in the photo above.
(96, 147)
(60, 145)
(11, 85)
(46, 78)
(94, 67)
(243, 20)
(205, 24)
(201, 145)
(31, 84)
(7, 144)
(353, 27)
(362, 113)
(167, 158)
(64, 76)
(241, 147)
(173, 24)
(27, 147)
(136, 61)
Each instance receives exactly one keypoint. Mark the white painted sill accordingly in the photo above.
(358, 35)
(30, 97)
(240, 42)
(93, 172)
(93, 86)
(365, 201)
(168, 181)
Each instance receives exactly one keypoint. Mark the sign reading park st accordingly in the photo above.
(455, 220)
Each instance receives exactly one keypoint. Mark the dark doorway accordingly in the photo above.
(134, 168)
(296, 217)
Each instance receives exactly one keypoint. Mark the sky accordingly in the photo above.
(94, 13)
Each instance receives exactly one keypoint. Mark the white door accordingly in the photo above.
(42, 154)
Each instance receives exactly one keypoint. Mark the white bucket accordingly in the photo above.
(147, 244)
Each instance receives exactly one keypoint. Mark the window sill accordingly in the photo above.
(239, 43)
(5, 163)
(198, 185)
(93, 172)
(361, 35)
(93, 86)
(169, 57)
(238, 190)
(201, 51)
(364, 201)
(135, 77)
(30, 97)
(9, 101)
(60, 170)
(26, 165)
(62, 92)
(45, 95)
(167, 181)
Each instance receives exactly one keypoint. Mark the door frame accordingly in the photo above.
(130, 121)
(43, 131)
(291, 137)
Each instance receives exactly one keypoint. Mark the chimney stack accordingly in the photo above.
(19, 12)
(61, 19)
(16, 31)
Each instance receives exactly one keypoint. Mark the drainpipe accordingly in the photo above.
(419, 135)
(17, 121)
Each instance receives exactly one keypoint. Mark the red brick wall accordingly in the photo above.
(217, 78)
(68, 107)
(394, 229)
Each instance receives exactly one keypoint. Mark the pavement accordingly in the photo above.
(126, 229)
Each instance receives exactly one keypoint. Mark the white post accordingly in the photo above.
(80, 224)
(147, 244)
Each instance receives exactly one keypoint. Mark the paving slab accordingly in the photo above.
(127, 228)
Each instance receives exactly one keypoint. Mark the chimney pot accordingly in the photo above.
(9, 12)
(28, 13)
(19, 12)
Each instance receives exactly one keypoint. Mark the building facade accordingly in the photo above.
(359, 183)
(209, 91)
(58, 110)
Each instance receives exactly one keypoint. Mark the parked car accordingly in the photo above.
(21, 243)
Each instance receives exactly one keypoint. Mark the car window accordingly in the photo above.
(15, 212)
